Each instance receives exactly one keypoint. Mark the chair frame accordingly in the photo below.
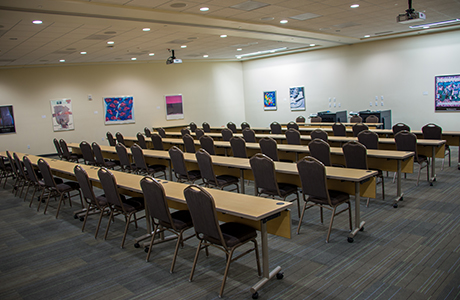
(207, 172)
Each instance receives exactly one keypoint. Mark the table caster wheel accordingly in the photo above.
(82, 219)
(255, 295)
(362, 229)
(350, 240)
(279, 275)
(146, 249)
(395, 205)
(136, 245)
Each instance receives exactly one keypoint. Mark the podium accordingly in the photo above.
(329, 117)
(383, 115)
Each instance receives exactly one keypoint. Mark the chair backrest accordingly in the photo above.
(147, 132)
(369, 139)
(206, 127)
(231, 126)
(45, 170)
(406, 141)
(85, 184)
(155, 200)
(249, 135)
(263, 169)
(312, 175)
(245, 125)
(109, 185)
(204, 217)
(358, 127)
(356, 119)
(189, 143)
(193, 126)
(339, 129)
(320, 150)
(141, 140)
(139, 158)
(65, 149)
(157, 141)
(199, 133)
(87, 152)
(58, 147)
(292, 125)
(292, 136)
(12, 163)
(269, 147)
(123, 156)
(184, 131)
(111, 140)
(178, 161)
(399, 127)
(372, 119)
(432, 131)
(30, 169)
(238, 147)
(205, 164)
(316, 119)
(207, 143)
(275, 128)
(98, 154)
(300, 119)
(19, 165)
(355, 155)
(319, 134)
(162, 132)
(120, 138)
(227, 134)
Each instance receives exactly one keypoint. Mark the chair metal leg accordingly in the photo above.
(151, 242)
(60, 201)
(330, 224)
(99, 222)
(126, 230)
(301, 217)
(195, 260)
(108, 224)
(227, 267)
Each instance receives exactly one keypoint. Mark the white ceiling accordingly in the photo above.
(72, 26)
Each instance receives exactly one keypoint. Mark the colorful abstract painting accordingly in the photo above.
(297, 98)
(174, 109)
(62, 116)
(7, 124)
(270, 100)
(119, 110)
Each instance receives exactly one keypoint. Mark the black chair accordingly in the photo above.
(319, 134)
(199, 133)
(232, 127)
(94, 204)
(432, 131)
(119, 204)
(207, 143)
(162, 132)
(66, 153)
(292, 136)
(292, 125)
(356, 119)
(112, 141)
(16, 175)
(157, 141)
(249, 135)
(192, 126)
(23, 179)
(88, 154)
(399, 127)
(269, 147)
(263, 169)
(141, 140)
(141, 166)
(275, 128)
(407, 141)
(120, 138)
(147, 132)
(314, 190)
(321, 151)
(245, 125)
(358, 127)
(316, 119)
(125, 162)
(209, 177)
(300, 119)
(189, 143)
(57, 146)
(369, 139)
(162, 219)
(372, 119)
(227, 134)
(54, 188)
(6, 171)
(100, 160)
(180, 168)
(339, 129)
(34, 181)
(185, 131)
(238, 147)
(206, 127)
(226, 237)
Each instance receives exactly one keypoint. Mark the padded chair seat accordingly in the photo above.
(226, 179)
(68, 186)
(194, 174)
(111, 164)
(181, 218)
(284, 188)
(101, 200)
(156, 168)
(132, 204)
(335, 196)
(235, 233)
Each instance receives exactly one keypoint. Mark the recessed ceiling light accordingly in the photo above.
(239, 49)
(312, 45)
(223, 35)
(151, 54)
(204, 8)
(367, 36)
(205, 55)
(110, 42)
(62, 60)
(283, 21)
(37, 21)
(83, 52)
(146, 29)
(183, 46)
(133, 58)
(354, 6)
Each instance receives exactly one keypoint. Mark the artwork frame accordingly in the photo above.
(174, 107)
(297, 98)
(447, 93)
(119, 109)
(270, 100)
(7, 122)
(62, 114)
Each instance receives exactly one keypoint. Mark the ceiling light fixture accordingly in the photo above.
(183, 46)
(434, 24)
(239, 49)
(367, 36)
(204, 8)
(205, 55)
(223, 35)
(151, 54)
(261, 52)
(83, 52)
(146, 29)
(110, 42)
(312, 45)
(37, 21)
(283, 21)
(354, 6)
(133, 58)
(62, 60)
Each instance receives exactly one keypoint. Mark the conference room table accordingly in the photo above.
(265, 215)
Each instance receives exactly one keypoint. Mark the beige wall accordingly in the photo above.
(212, 92)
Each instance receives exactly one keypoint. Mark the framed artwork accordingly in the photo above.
(447, 93)
(7, 124)
(62, 117)
(119, 110)
(297, 98)
(174, 108)
(270, 100)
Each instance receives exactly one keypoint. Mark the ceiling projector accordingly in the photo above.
(172, 59)
(410, 16)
